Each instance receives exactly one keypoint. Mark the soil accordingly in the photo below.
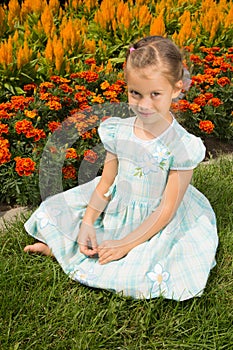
(216, 147)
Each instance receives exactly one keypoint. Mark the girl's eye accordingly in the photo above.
(134, 93)
(154, 94)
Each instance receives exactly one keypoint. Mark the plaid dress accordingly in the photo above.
(175, 263)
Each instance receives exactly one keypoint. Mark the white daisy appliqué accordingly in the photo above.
(48, 217)
(160, 278)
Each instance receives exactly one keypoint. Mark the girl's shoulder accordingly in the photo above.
(110, 128)
(187, 149)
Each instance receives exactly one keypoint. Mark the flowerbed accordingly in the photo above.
(52, 103)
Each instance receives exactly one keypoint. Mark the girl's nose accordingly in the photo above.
(145, 104)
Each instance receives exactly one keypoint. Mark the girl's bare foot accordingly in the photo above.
(39, 247)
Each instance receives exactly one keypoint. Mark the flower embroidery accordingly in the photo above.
(48, 217)
(151, 162)
(159, 277)
(84, 277)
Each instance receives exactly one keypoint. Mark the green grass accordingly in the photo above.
(41, 308)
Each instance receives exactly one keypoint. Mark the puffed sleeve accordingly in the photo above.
(107, 132)
(187, 152)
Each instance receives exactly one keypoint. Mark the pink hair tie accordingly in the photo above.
(131, 49)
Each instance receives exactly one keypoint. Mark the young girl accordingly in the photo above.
(140, 229)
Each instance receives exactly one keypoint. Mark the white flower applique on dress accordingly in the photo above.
(151, 162)
(160, 278)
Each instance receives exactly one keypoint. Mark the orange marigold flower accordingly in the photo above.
(45, 96)
(97, 99)
(5, 154)
(30, 114)
(54, 105)
(23, 126)
(215, 101)
(80, 87)
(20, 102)
(93, 119)
(69, 172)
(115, 87)
(66, 88)
(4, 114)
(223, 81)
(86, 135)
(225, 66)
(104, 85)
(208, 95)
(207, 126)
(212, 71)
(110, 94)
(38, 134)
(59, 80)
(29, 87)
(45, 86)
(53, 126)
(89, 76)
(196, 59)
(120, 82)
(4, 129)
(200, 100)
(182, 105)
(90, 61)
(71, 153)
(4, 143)
(199, 79)
(80, 97)
(194, 107)
(24, 166)
(90, 156)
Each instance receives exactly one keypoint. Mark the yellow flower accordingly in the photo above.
(104, 85)
(30, 114)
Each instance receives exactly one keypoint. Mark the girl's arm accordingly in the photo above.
(86, 237)
(177, 184)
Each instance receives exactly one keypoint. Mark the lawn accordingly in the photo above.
(41, 308)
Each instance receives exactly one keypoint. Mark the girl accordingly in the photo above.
(141, 229)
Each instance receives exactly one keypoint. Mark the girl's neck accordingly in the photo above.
(148, 131)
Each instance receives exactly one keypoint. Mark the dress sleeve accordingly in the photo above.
(107, 132)
(187, 153)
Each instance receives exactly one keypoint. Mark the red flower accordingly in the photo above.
(200, 100)
(71, 153)
(54, 105)
(69, 172)
(223, 81)
(29, 87)
(215, 101)
(53, 126)
(66, 88)
(206, 126)
(89, 76)
(90, 61)
(4, 129)
(194, 107)
(23, 126)
(90, 156)
(24, 166)
(59, 80)
(5, 154)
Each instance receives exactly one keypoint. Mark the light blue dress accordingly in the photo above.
(176, 262)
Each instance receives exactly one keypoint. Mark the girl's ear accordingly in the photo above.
(177, 89)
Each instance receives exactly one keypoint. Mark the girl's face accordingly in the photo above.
(150, 94)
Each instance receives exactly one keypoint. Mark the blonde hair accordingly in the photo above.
(159, 52)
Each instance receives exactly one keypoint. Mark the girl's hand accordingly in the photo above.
(87, 240)
(112, 250)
